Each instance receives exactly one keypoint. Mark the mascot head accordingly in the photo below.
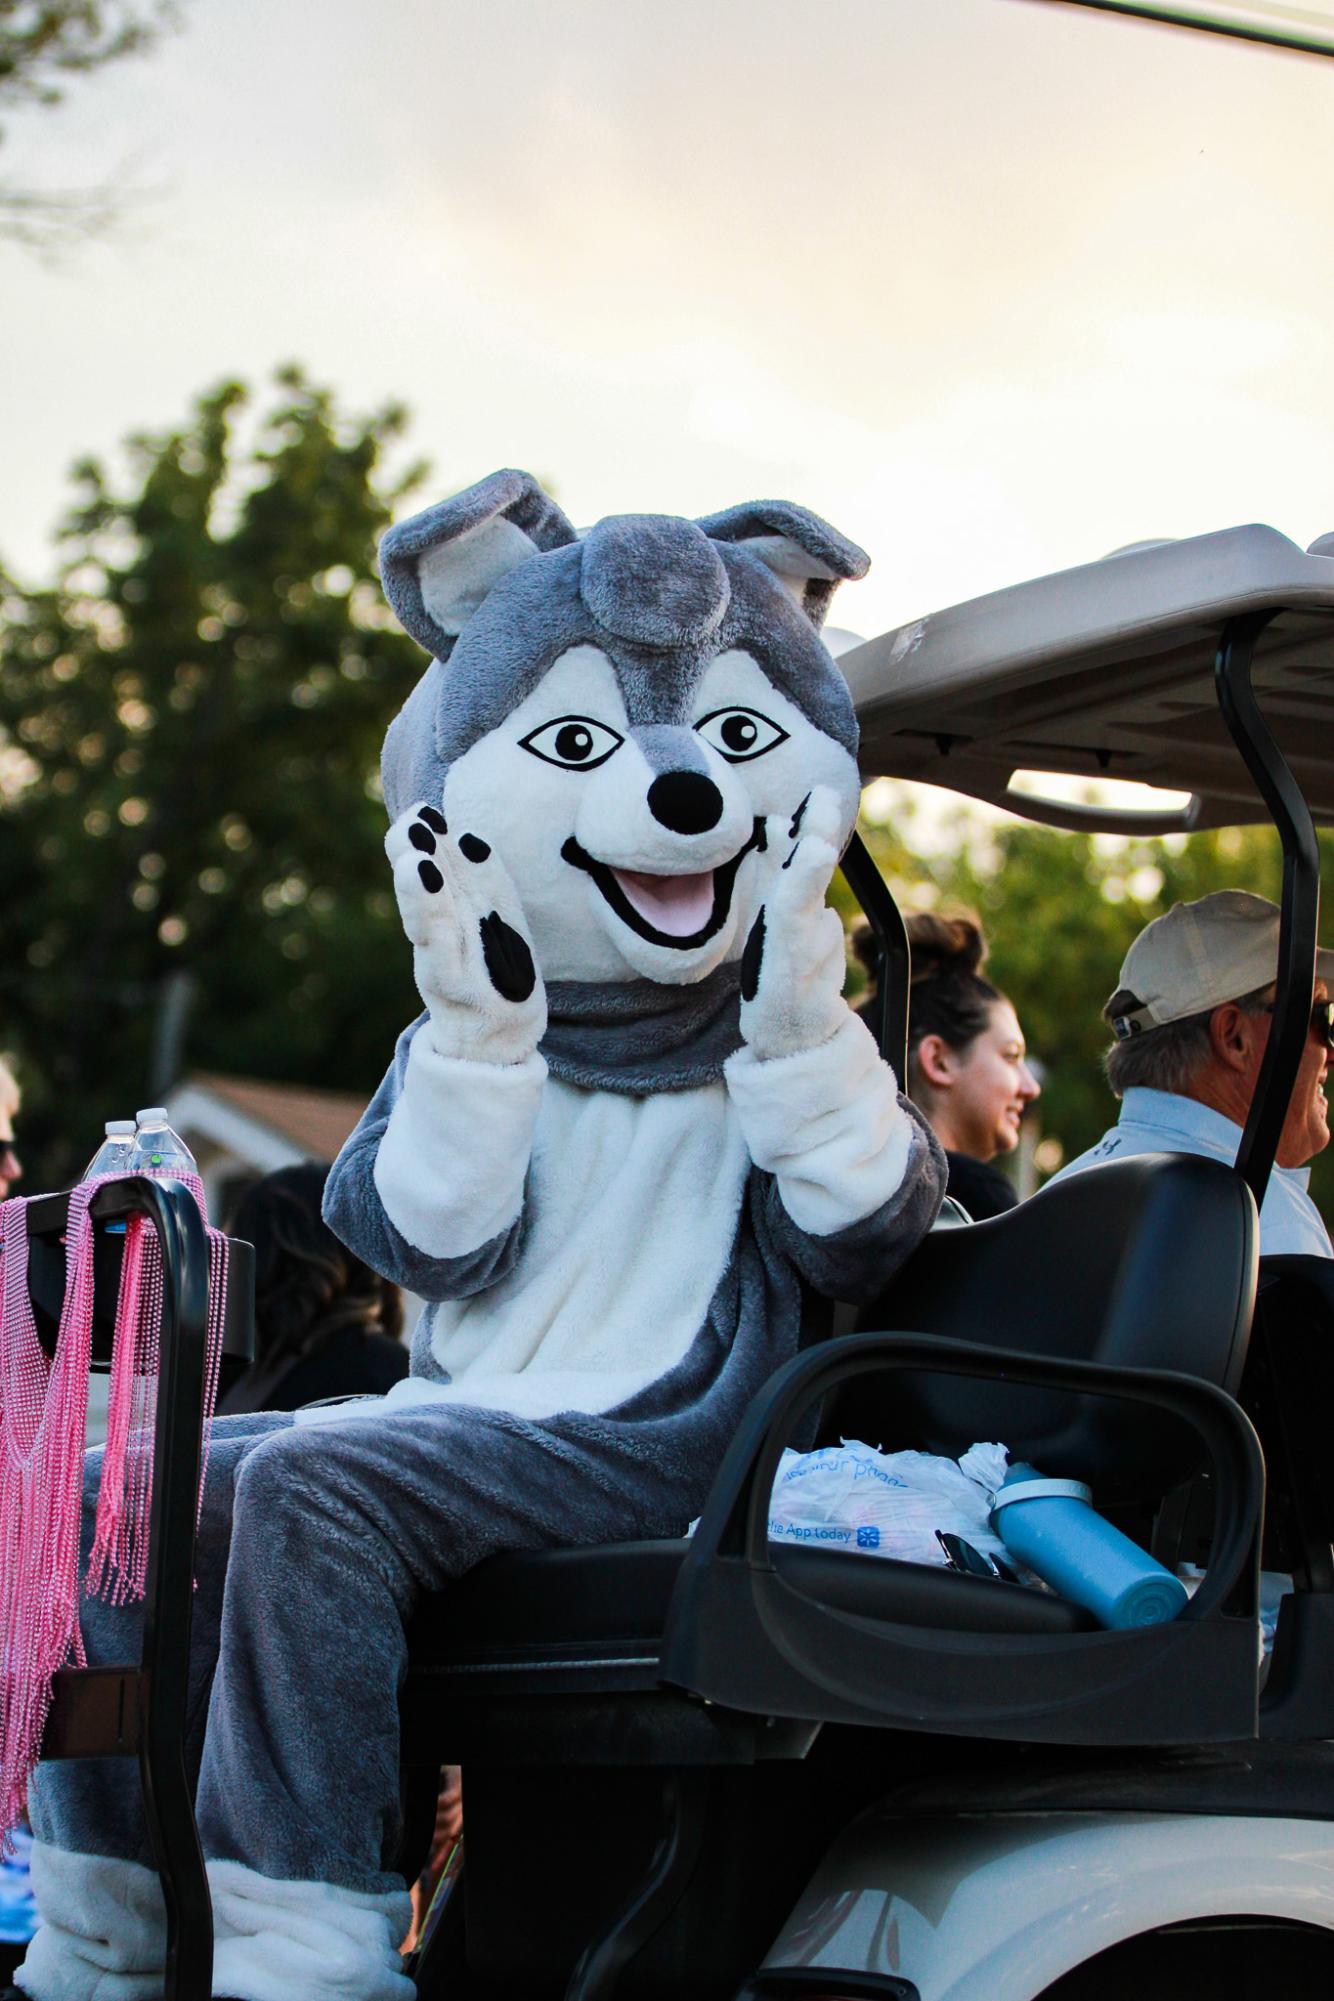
(618, 713)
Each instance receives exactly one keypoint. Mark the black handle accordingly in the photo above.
(169, 1598)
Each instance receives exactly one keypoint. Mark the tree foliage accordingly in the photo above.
(44, 41)
(43, 44)
(1061, 911)
(190, 723)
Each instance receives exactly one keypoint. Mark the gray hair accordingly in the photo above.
(1167, 1058)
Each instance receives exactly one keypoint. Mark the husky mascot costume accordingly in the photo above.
(634, 1118)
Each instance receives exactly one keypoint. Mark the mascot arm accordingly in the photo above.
(845, 1150)
(857, 1261)
(472, 954)
(429, 1188)
(852, 1163)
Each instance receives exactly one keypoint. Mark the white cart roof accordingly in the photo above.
(1106, 671)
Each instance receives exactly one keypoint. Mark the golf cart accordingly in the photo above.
(725, 1769)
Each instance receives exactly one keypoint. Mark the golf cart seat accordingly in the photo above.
(674, 1706)
(1145, 1264)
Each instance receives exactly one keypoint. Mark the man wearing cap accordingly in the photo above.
(1191, 1016)
(10, 1170)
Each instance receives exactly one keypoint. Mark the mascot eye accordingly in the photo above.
(740, 733)
(576, 743)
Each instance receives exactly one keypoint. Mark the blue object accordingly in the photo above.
(18, 1910)
(1050, 1526)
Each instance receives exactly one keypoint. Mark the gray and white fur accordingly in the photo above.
(633, 1122)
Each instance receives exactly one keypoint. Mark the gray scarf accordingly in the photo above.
(640, 1037)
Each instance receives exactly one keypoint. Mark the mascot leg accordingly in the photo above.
(339, 1530)
(102, 1928)
(327, 1535)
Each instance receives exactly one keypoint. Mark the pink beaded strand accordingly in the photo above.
(43, 1420)
(43, 1415)
(118, 1567)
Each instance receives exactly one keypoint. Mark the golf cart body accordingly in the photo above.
(725, 1768)
(1046, 1807)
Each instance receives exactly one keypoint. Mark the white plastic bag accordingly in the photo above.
(851, 1497)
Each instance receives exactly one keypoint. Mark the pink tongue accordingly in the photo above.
(676, 904)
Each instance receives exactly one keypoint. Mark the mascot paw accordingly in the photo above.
(793, 967)
(472, 953)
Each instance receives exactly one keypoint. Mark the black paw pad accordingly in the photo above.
(422, 838)
(751, 959)
(791, 858)
(431, 877)
(436, 821)
(473, 847)
(508, 959)
(761, 837)
(797, 819)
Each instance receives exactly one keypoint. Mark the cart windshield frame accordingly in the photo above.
(1205, 666)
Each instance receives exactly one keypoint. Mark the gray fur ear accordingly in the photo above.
(807, 556)
(437, 566)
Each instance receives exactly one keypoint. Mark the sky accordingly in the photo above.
(996, 286)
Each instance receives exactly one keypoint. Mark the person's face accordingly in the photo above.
(11, 1167)
(992, 1086)
(1240, 1038)
(1306, 1128)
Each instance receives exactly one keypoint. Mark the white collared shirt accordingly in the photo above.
(1165, 1122)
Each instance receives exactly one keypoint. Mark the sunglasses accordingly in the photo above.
(1322, 1020)
(962, 1556)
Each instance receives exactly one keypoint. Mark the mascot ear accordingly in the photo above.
(806, 555)
(437, 566)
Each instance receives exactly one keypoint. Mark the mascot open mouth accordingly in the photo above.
(680, 911)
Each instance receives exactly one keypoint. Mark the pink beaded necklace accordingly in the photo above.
(43, 1418)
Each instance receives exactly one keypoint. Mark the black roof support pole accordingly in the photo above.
(890, 932)
(168, 1602)
(1299, 923)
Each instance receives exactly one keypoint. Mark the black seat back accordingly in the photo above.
(1148, 1262)
(1287, 1392)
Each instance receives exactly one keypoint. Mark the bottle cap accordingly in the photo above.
(119, 1128)
(1039, 1489)
(152, 1115)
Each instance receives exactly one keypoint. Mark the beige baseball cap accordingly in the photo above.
(1199, 955)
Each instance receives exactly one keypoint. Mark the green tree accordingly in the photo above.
(1060, 911)
(43, 44)
(190, 723)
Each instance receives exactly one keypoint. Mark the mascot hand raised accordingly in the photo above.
(792, 970)
(472, 954)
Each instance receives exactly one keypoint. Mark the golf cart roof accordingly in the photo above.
(1106, 671)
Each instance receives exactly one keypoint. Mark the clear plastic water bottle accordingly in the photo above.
(113, 1156)
(157, 1149)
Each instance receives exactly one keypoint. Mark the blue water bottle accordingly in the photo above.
(1050, 1526)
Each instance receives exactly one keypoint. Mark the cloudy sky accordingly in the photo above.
(994, 285)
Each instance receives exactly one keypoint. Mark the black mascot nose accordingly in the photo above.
(685, 801)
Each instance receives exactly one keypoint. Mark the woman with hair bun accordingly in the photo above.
(967, 1068)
